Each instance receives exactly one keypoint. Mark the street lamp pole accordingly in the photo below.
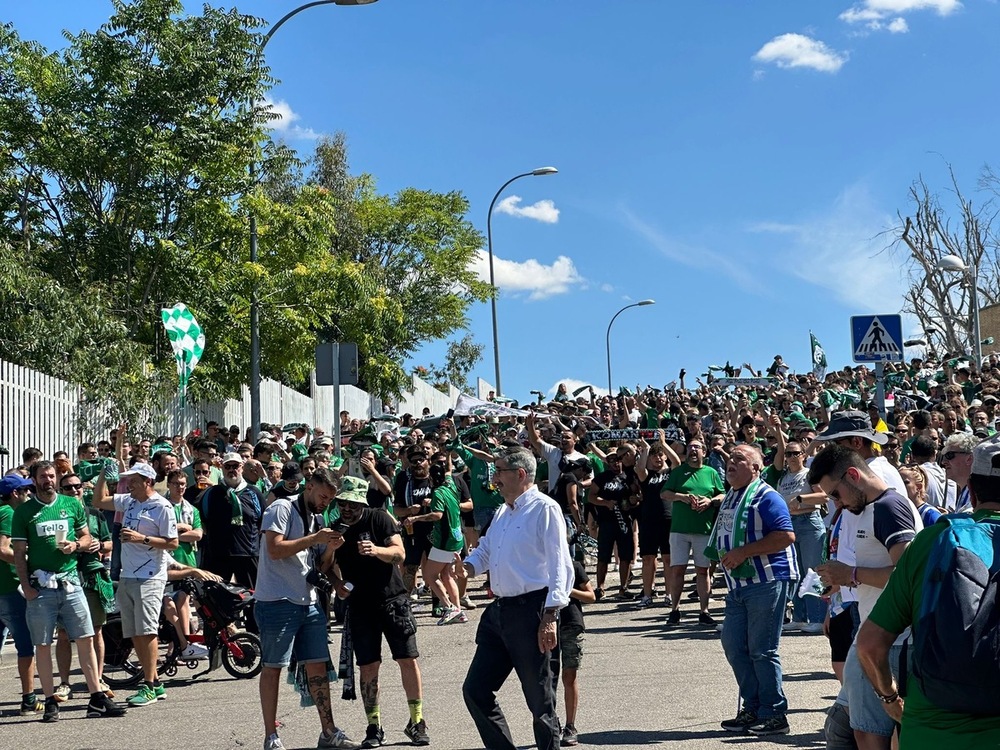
(489, 244)
(643, 303)
(956, 264)
(254, 298)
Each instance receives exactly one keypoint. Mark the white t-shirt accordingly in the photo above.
(152, 517)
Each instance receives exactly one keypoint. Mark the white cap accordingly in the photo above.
(142, 470)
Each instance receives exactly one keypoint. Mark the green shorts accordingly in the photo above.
(571, 648)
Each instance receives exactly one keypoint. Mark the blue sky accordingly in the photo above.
(737, 162)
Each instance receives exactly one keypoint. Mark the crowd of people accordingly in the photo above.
(799, 494)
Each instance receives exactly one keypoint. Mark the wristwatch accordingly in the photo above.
(798, 501)
(553, 611)
(145, 540)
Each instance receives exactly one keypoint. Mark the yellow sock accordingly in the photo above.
(416, 710)
(374, 715)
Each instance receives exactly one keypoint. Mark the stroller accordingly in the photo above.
(224, 611)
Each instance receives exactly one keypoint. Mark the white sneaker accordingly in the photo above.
(273, 743)
(337, 739)
(195, 651)
(467, 603)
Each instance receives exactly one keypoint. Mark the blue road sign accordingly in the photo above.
(877, 338)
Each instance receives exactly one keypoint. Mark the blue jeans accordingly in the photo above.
(750, 635)
(810, 538)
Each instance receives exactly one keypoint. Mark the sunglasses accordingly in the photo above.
(951, 454)
(792, 454)
(202, 471)
(72, 487)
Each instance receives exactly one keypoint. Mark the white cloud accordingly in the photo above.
(530, 277)
(285, 124)
(544, 210)
(874, 14)
(607, 288)
(841, 250)
(798, 51)
(693, 257)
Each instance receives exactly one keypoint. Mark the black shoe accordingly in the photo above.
(598, 595)
(101, 705)
(674, 617)
(706, 619)
(770, 725)
(417, 732)
(626, 595)
(374, 736)
(569, 737)
(743, 721)
(51, 711)
(30, 705)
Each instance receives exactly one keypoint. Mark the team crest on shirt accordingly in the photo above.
(62, 513)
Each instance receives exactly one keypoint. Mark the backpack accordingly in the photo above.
(956, 647)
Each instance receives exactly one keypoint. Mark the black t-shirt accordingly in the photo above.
(560, 492)
(611, 485)
(374, 581)
(652, 507)
(571, 616)
(222, 537)
(408, 491)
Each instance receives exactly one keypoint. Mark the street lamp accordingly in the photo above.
(541, 171)
(254, 299)
(643, 303)
(954, 264)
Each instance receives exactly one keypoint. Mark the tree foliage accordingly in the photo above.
(460, 359)
(125, 187)
(942, 301)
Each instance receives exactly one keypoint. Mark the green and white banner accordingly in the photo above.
(188, 342)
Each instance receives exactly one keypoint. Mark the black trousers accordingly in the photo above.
(507, 640)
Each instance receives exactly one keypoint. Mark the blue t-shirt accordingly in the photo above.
(767, 512)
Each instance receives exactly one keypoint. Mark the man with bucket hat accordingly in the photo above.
(378, 605)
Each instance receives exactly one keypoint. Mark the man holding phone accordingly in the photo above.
(379, 607)
(287, 608)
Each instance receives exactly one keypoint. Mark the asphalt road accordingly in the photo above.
(644, 684)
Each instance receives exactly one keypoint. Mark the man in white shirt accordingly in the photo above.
(527, 556)
(551, 453)
(148, 535)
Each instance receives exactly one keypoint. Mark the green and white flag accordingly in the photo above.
(187, 341)
(818, 358)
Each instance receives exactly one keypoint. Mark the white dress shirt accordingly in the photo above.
(525, 549)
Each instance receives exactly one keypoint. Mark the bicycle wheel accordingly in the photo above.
(121, 667)
(249, 664)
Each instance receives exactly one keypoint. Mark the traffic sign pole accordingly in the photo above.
(880, 389)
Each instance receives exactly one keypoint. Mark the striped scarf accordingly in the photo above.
(741, 518)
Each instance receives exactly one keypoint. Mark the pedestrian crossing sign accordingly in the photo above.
(877, 338)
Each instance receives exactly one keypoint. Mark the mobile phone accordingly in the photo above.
(340, 527)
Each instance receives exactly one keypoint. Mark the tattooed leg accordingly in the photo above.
(369, 692)
(319, 689)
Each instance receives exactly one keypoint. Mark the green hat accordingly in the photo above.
(353, 490)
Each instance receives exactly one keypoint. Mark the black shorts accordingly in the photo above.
(589, 513)
(609, 536)
(392, 619)
(415, 546)
(843, 628)
(654, 536)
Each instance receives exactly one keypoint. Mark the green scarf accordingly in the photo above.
(740, 519)
(237, 507)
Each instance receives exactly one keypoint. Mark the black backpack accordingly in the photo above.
(956, 647)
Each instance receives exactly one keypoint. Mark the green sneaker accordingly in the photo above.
(160, 691)
(144, 697)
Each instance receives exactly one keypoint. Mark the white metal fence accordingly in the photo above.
(50, 414)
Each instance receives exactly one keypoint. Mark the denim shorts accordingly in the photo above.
(287, 628)
(12, 614)
(68, 608)
(866, 708)
(482, 517)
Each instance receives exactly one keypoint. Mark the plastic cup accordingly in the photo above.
(60, 536)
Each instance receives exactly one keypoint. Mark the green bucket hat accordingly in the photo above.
(353, 490)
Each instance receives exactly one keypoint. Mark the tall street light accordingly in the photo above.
(954, 264)
(643, 303)
(489, 243)
(254, 299)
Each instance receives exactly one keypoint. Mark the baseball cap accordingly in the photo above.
(13, 482)
(291, 472)
(142, 470)
(353, 490)
(232, 458)
(984, 458)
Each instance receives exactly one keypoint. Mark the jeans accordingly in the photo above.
(810, 538)
(750, 635)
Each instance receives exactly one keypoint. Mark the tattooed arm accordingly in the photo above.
(391, 553)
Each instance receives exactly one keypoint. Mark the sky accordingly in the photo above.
(742, 164)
